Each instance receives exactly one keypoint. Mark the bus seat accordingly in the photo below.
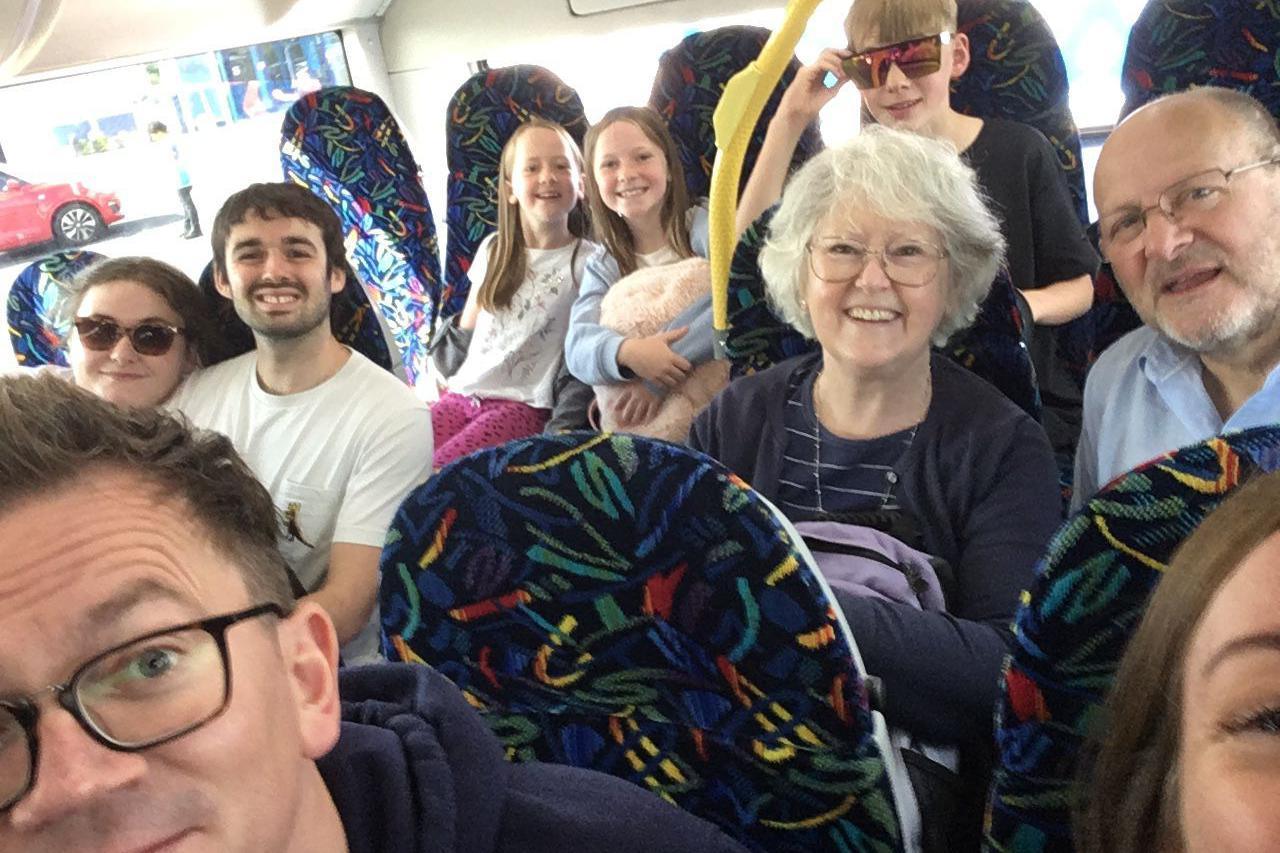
(1177, 44)
(483, 113)
(355, 323)
(1083, 606)
(345, 146)
(692, 75)
(1016, 71)
(991, 347)
(35, 329)
(1113, 314)
(628, 605)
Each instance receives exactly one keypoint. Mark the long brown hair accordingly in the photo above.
(611, 230)
(1129, 782)
(505, 272)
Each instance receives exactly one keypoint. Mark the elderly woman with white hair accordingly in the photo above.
(880, 248)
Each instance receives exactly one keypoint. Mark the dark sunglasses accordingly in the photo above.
(914, 57)
(150, 338)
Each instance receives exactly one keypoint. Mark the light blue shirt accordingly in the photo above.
(591, 350)
(1145, 397)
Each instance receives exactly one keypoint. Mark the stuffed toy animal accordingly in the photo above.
(642, 304)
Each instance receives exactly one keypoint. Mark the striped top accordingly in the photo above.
(823, 473)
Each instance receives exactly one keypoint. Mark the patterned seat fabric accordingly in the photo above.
(1084, 605)
(627, 605)
(692, 75)
(991, 347)
(757, 337)
(1017, 72)
(1113, 314)
(1177, 44)
(35, 329)
(355, 323)
(344, 145)
(483, 114)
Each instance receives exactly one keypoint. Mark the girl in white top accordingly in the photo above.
(641, 214)
(524, 281)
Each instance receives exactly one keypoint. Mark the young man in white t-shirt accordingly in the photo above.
(337, 441)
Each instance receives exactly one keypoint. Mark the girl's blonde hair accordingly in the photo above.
(506, 268)
(612, 230)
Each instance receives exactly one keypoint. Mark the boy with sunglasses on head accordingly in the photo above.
(902, 57)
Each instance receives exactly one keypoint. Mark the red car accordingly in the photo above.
(72, 214)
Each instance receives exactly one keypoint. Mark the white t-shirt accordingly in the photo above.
(337, 459)
(515, 352)
(659, 258)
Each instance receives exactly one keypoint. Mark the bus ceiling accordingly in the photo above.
(54, 35)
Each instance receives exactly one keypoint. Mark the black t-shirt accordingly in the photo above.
(1019, 171)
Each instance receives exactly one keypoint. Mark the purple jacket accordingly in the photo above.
(864, 561)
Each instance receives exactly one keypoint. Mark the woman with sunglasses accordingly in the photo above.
(138, 328)
(880, 248)
(902, 56)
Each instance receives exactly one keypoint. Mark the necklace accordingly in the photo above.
(890, 476)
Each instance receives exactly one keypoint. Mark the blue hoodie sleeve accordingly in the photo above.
(700, 231)
(698, 345)
(591, 350)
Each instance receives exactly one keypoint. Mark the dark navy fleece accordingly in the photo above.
(417, 771)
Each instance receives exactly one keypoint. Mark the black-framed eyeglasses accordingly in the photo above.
(150, 338)
(1180, 202)
(136, 695)
(905, 260)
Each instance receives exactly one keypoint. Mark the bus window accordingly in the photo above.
(91, 134)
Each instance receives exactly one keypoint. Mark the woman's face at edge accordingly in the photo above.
(1229, 739)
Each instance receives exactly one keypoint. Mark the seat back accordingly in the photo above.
(691, 77)
(483, 113)
(1084, 605)
(354, 320)
(36, 329)
(992, 347)
(630, 606)
(1017, 72)
(1177, 44)
(344, 145)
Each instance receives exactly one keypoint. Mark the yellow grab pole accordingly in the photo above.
(736, 114)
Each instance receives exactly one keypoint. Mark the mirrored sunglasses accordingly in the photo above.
(146, 338)
(914, 57)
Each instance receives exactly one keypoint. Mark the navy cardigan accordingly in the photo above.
(981, 481)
